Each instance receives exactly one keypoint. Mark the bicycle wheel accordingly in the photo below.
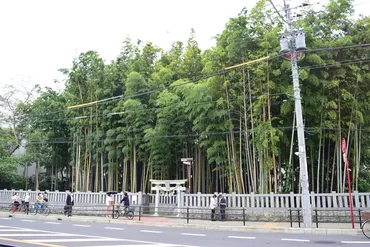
(34, 210)
(130, 215)
(366, 228)
(116, 214)
(10, 208)
(46, 211)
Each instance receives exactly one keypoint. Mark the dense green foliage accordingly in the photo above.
(238, 126)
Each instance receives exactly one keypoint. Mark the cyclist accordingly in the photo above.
(15, 200)
(45, 200)
(126, 202)
(38, 202)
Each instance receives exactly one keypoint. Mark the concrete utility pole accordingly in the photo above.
(294, 42)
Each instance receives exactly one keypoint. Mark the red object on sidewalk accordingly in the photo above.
(153, 219)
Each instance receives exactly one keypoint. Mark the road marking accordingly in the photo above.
(296, 240)
(27, 242)
(28, 220)
(113, 228)
(90, 236)
(355, 242)
(5, 218)
(138, 245)
(72, 240)
(81, 225)
(37, 235)
(53, 223)
(151, 231)
(241, 237)
(17, 230)
(193, 234)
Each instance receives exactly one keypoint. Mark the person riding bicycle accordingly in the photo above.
(15, 200)
(38, 202)
(126, 202)
(45, 200)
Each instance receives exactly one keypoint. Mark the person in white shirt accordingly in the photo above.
(27, 202)
(213, 206)
(15, 200)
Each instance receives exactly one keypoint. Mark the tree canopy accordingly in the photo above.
(144, 111)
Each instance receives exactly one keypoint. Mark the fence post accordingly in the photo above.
(299, 218)
(233, 199)
(316, 218)
(187, 215)
(139, 212)
(356, 202)
(359, 216)
(113, 211)
(290, 217)
(243, 216)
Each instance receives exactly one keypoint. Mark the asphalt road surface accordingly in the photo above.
(31, 233)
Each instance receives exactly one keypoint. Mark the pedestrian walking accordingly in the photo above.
(27, 202)
(69, 205)
(109, 202)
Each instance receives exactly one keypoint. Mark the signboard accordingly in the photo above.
(344, 146)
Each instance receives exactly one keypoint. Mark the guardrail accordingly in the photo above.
(189, 214)
(320, 216)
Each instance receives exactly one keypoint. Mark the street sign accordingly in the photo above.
(186, 159)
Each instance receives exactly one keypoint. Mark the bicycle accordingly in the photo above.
(365, 226)
(21, 207)
(129, 213)
(44, 209)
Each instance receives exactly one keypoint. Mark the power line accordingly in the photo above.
(348, 62)
(277, 12)
(338, 48)
(92, 139)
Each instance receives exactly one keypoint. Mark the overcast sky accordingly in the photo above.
(40, 36)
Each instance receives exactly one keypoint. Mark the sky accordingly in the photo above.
(39, 37)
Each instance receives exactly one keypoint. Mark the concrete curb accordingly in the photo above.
(220, 227)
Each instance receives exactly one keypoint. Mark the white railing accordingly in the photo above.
(80, 198)
(283, 201)
(331, 200)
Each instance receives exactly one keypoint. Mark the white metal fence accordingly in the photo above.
(331, 200)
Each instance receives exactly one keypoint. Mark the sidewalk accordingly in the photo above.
(284, 227)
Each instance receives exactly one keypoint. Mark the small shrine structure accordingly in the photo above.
(165, 185)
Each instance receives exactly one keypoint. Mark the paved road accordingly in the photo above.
(34, 232)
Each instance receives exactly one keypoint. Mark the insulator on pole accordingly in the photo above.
(284, 45)
(300, 41)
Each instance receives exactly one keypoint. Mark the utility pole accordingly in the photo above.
(293, 42)
(188, 162)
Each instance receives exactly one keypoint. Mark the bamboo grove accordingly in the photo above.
(154, 107)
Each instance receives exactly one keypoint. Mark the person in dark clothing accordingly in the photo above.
(125, 201)
(69, 204)
(222, 207)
